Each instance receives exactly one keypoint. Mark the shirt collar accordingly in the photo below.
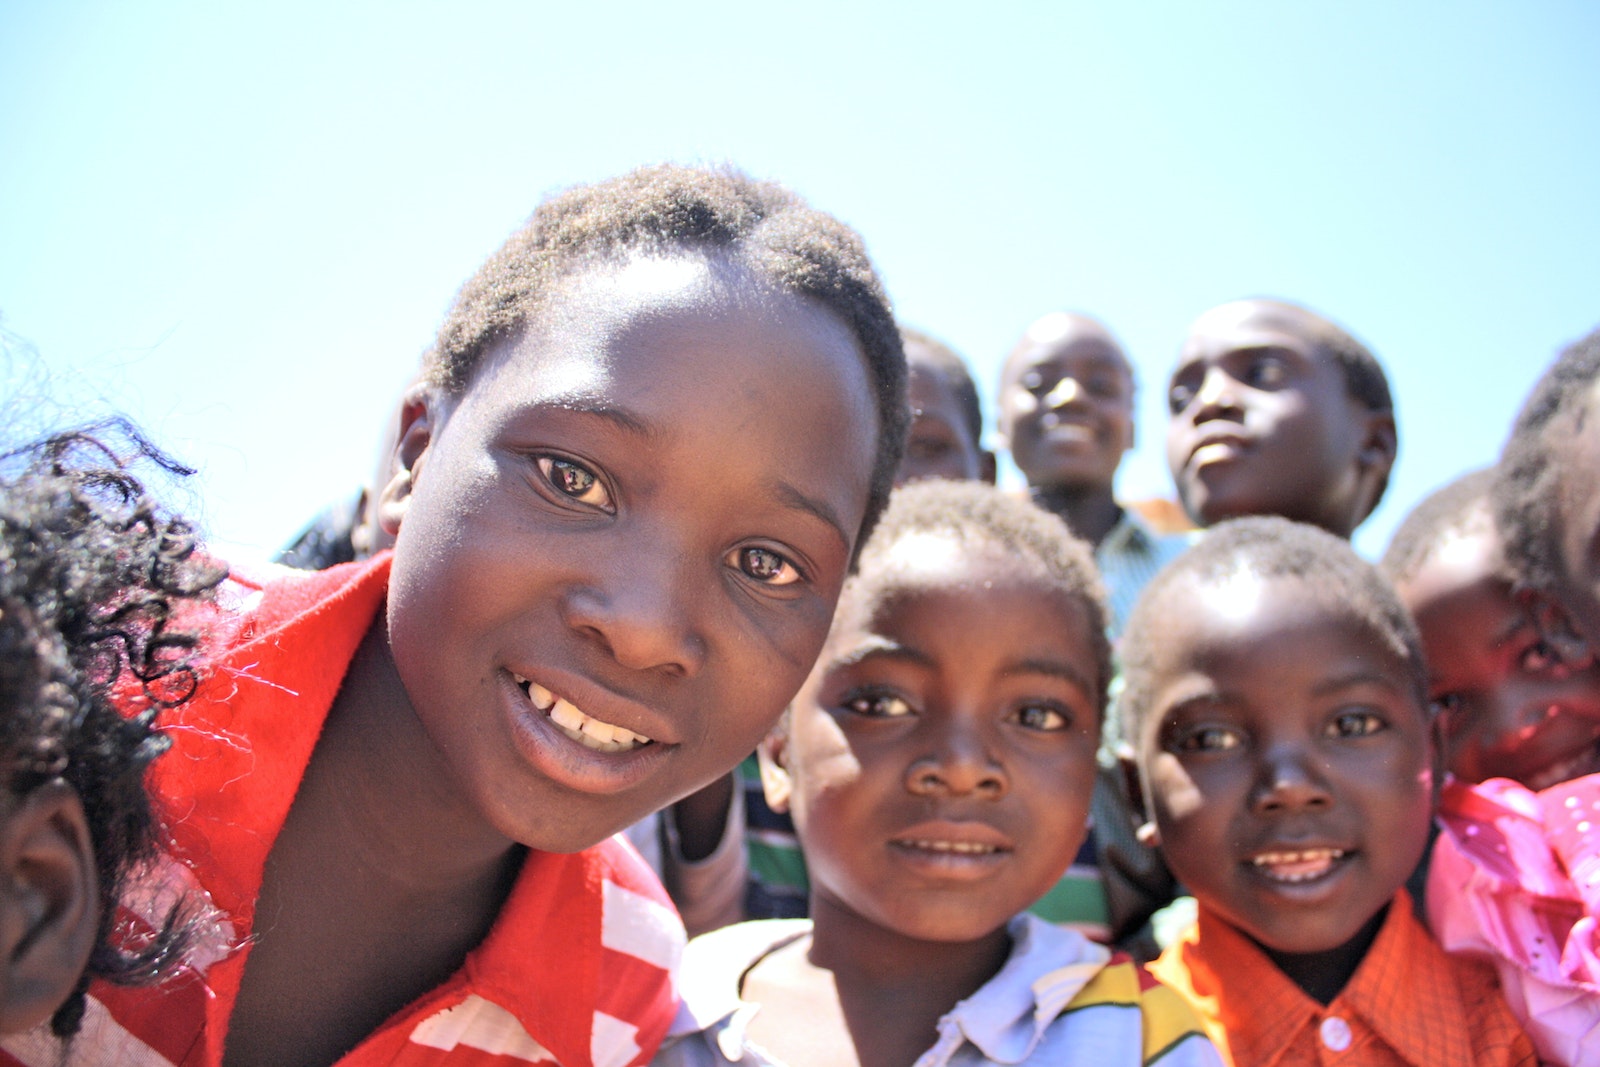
(1008, 1016)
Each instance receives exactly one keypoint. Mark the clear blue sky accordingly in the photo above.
(242, 226)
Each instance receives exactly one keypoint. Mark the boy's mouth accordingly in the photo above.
(582, 728)
(1300, 865)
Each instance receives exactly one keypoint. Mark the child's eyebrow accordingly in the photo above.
(589, 404)
(874, 647)
(820, 509)
(1052, 669)
(1353, 678)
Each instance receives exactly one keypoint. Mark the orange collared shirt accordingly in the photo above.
(1408, 1004)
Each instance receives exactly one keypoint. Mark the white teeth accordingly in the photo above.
(1297, 866)
(967, 847)
(585, 729)
(566, 715)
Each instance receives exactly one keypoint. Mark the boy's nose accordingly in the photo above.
(643, 614)
(1218, 394)
(958, 765)
(1290, 782)
(1066, 391)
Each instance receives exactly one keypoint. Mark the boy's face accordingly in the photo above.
(940, 758)
(1285, 759)
(1576, 458)
(939, 444)
(1264, 424)
(633, 525)
(1066, 404)
(1507, 707)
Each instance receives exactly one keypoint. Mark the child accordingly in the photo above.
(945, 441)
(1277, 411)
(1275, 695)
(1507, 707)
(946, 437)
(939, 763)
(1514, 874)
(1066, 414)
(93, 579)
(650, 435)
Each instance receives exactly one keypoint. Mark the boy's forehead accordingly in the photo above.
(1254, 323)
(1062, 335)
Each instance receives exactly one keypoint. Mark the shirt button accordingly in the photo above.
(1335, 1033)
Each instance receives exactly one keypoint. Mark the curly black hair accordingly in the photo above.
(667, 209)
(1455, 509)
(1527, 487)
(1267, 546)
(95, 579)
(976, 514)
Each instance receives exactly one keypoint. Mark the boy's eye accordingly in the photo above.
(1104, 386)
(1179, 396)
(1209, 739)
(1267, 372)
(1355, 724)
(1035, 383)
(767, 566)
(877, 705)
(1043, 717)
(575, 481)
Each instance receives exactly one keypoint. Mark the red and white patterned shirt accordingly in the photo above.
(576, 970)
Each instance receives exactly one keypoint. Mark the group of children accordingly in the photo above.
(639, 501)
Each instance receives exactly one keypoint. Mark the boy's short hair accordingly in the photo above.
(1524, 495)
(976, 514)
(94, 578)
(957, 376)
(1266, 546)
(1456, 509)
(667, 209)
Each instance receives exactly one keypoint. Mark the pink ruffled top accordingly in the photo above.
(1515, 878)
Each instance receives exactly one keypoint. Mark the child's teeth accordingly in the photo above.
(1297, 866)
(542, 698)
(601, 736)
(566, 715)
(953, 846)
(600, 731)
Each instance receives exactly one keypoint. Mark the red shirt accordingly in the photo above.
(1407, 1005)
(575, 970)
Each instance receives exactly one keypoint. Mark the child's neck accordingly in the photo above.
(1090, 512)
(381, 880)
(1323, 975)
(857, 988)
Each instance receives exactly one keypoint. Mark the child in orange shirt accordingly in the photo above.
(1276, 699)
(627, 490)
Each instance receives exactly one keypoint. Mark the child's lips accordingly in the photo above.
(1214, 447)
(1585, 761)
(949, 847)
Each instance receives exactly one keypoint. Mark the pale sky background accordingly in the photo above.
(243, 225)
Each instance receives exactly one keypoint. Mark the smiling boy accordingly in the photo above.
(1277, 411)
(1275, 696)
(939, 763)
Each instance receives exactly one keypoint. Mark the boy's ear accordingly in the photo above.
(988, 466)
(776, 783)
(49, 904)
(422, 413)
(1381, 444)
(1144, 830)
